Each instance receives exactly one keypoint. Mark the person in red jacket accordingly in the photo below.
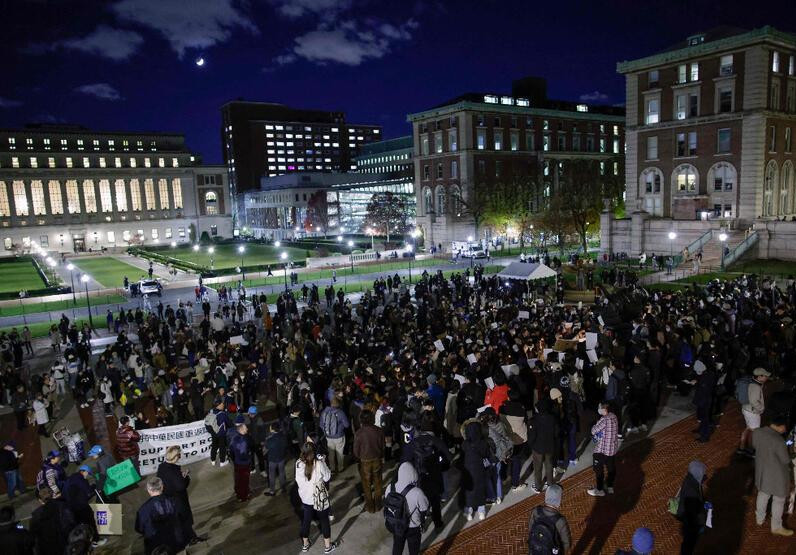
(127, 441)
(499, 394)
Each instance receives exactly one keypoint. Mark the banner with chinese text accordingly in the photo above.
(193, 439)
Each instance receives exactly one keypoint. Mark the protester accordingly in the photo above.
(369, 450)
(78, 493)
(9, 466)
(217, 424)
(175, 481)
(542, 438)
(14, 538)
(334, 424)
(477, 456)
(52, 475)
(604, 433)
(548, 529)
(311, 477)
(772, 474)
(127, 441)
(51, 523)
(103, 462)
(241, 448)
(692, 510)
(407, 516)
(753, 408)
(158, 521)
(276, 448)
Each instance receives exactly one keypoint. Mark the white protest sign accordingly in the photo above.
(237, 340)
(490, 384)
(471, 358)
(510, 369)
(482, 409)
(459, 378)
(523, 315)
(591, 340)
(600, 319)
(592, 355)
(193, 439)
(439, 346)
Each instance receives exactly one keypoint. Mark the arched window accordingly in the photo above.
(651, 191)
(211, 203)
(440, 194)
(428, 202)
(455, 202)
(769, 184)
(787, 207)
(723, 177)
(685, 180)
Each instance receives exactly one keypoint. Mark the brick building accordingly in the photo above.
(710, 126)
(478, 139)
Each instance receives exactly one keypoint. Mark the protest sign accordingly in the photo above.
(193, 438)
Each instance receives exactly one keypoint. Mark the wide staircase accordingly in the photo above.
(711, 251)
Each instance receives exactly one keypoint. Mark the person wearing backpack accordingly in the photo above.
(501, 447)
(312, 474)
(334, 423)
(478, 458)
(216, 424)
(752, 407)
(241, 447)
(405, 509)
(548, 530)
(430, 458)
(369, 449)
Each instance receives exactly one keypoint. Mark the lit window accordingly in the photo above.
(168, 233)
(117, 162)
(135, 195)
(154, 233)
(653, 110)
(72, 197)
(175, 163)
(34, 162)
(686, 179)
(211, 203)
(481, 139)
(652, 148)
(89, 196)
(132, 162)
(161, 162)
(5, 207)
(37, 195)
(725, 65)
(106, 202)
(86, 163)
(14, 162)
(69, 162)
(163, 189)
(775, 62)
(20, 198)
(147, 163)
(682, 73)
(56, 200)
(176, 187)
(149, 194)
(111, 237)
(121, 195)
(498, 140)
(695, 72)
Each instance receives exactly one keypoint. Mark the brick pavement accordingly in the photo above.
(649, 471)
(28, 444)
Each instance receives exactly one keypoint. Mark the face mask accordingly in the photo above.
(602, 412)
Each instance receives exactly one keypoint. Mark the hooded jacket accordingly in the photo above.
(692, 502)
(416, 500)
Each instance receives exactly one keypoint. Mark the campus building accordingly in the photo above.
(480, 139)
(71, 189)
(264, 139)
(710, 125)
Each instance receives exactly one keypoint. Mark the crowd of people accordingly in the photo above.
(455, 375)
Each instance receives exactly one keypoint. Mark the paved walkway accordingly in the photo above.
(649, 472)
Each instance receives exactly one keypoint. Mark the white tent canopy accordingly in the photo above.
(526, 272)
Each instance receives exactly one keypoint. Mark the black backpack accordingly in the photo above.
(423, 453)
(543, 538)
(397, 515)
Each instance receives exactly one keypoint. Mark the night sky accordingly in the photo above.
(131, 64)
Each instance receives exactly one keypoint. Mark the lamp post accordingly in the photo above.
(722, 238)
(211, 251)
(371, 231)
(351, 254)
(410, 247)
(241, 250)
(71, 268)
(470, 248)
(85, 278)
(672, 237)
(283, 256)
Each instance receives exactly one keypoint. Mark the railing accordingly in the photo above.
(739, 250)
(693, 247)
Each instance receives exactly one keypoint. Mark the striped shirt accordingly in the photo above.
(605, 430)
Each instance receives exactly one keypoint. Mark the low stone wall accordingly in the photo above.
(777, 240)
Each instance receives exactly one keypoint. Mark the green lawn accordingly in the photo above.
(17, 309)
(227, 256)
(766, 267)
(107, 270)
(19, 274)
(42, 329)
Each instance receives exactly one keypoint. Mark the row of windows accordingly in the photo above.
(41, 198)
(779, 197)
(309, 128)
(498, 142)
(86, 162)
(685, 179)
(382, 159)
(44, 240)
(80, 144)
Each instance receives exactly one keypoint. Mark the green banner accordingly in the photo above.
(120, 476)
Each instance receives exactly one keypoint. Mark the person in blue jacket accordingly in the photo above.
(276, 451)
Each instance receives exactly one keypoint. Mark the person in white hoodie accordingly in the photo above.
(417, 504)
(312, 475)
(107, 396)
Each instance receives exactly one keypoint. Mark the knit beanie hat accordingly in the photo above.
(643, 541)
(553, 495)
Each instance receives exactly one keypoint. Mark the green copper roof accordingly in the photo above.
(764, 34)
(519, 110)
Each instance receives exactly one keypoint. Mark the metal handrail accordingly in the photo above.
(739, 250)
(700, 242)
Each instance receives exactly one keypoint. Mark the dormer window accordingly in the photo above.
(695, 40)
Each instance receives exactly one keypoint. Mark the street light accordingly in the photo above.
(173, 244)
(339, 238)
(241, 250)
(371, 231)
(210, 251)
(71, 268)
(672, 237)
(283, 256)
(277, 244)
(410, 248)
(85, 278)
(196, 248)
(722, 238)
(351, 254)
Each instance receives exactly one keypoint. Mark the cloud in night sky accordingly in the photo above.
(9, 103)
(105, 41)
(103, 91)
(347, 43)
(326, 9)
(197, 24)
(594, 96)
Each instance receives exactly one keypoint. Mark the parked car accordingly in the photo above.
(150, 287)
